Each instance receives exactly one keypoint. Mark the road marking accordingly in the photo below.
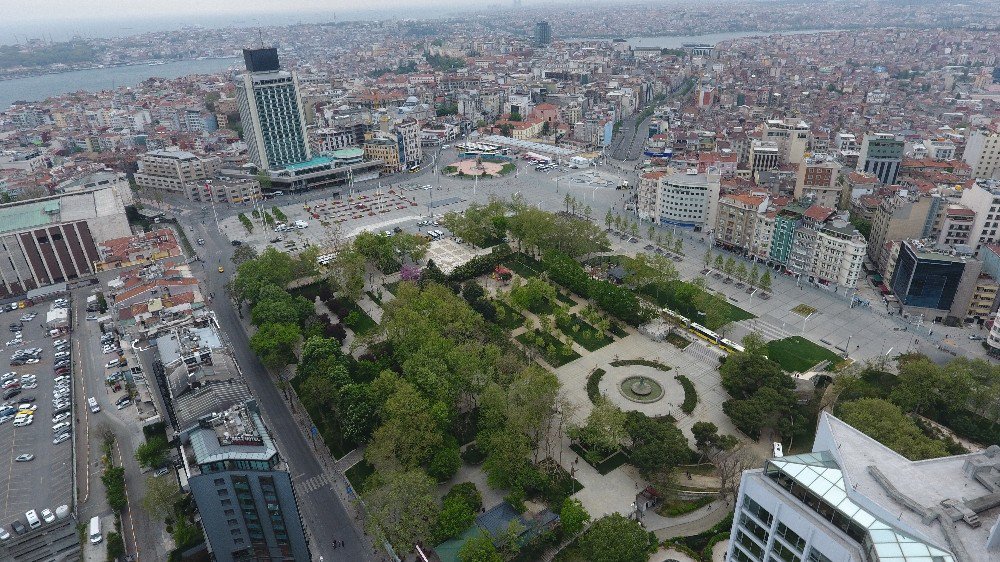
(86, 419)
(128, 502)
(10, 471)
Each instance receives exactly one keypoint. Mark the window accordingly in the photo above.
(220, 481)
(817, 556)
(796, 542)
(223, 492)
(756, 510)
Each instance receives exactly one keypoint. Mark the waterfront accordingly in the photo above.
(674, 42)
(36, 88)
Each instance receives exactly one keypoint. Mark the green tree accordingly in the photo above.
(886, 423)
(161, 495)
(754, 278)
(533, 294)
(706, 435)
(275, 305)
(347, 273)
(729, 267)
(741, 272)
(754, 344)
(608, 219)
(657, 446)
(506, 464)
(678, 246)
(456, 516)
(719, 262)
(604, 429)
(765, 281)
(573, 517)
(613, 538)
(707, 260)
(650, 232)
(446, 460)
(275, 344)
(116, 546)
(243, 253)
(402, 507)
(479, 548)
(271, 268)
(409, 433)
(151, 453)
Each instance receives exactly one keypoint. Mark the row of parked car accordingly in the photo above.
(34, 520)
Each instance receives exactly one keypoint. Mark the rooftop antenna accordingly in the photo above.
(260, 36)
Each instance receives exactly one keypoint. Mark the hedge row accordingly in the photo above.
(593, 384)
(690, 394)
(481, 265)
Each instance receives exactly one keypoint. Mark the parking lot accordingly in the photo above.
(45, 481)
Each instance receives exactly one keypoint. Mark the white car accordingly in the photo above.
(60, 342)
(60, 354)
(5, 419)
(4, 535)
(91, 317)
(32, 361)
(48, 516)
(23, 422)
(60, 427)
(60, 439)
(112, 364)
(60, 418)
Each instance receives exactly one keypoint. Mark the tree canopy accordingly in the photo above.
(613, 538)
(886, 423)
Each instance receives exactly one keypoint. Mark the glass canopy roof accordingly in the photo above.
(819, 473)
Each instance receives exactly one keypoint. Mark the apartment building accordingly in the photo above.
(817, 181)
(736, 220)
(983, 197)
(853, 499)
(905, 215)
(982, 153)
(791, 137)
(172, 170)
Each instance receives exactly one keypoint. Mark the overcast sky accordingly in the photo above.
(35, 10)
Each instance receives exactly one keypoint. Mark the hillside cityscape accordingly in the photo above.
(513, 281)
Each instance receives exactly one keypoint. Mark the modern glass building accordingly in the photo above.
(854, 500)
(271, 110)
(881, 154)
(926, 279)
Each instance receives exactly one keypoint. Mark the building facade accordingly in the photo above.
(175, 171)
(817, 181)
(246, 501)
(933, 283)
(790, 135)
(686, 200)
(736, 220)
(982, 153)
(271, 111)
(54, 239)
(881, 154)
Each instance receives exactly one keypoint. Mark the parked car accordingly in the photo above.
(26, 457)
(59, 439)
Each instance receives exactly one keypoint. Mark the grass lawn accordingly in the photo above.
(565, 299)
(676, 507)
(798, 354)
(803, 310)
(677, 340)
(358, 473)
(524, 265)
(328, 425)
(667, 296)
(544, 307)
(392, 287)
(509, 319)
(555, 358)
(364, 324)
(586, 335)
(606, 465)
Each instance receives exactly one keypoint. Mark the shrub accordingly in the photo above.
(690, 394)
(593, 384)
(445, 462)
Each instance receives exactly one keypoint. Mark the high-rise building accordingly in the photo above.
(881, 154)
(764, 155)
(898, 218)
(271, 110)
(171, 169)
(543, 33)
(736, 219)
(855, 500)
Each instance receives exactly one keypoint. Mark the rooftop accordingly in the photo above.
(958, 513)
(235, 434)
(27, 215)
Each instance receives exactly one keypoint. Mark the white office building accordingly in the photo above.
(686, 200)
(854, 500)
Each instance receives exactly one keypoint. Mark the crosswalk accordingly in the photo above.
(314, 483)
(767, 330)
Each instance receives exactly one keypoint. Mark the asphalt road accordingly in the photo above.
(321, 508)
